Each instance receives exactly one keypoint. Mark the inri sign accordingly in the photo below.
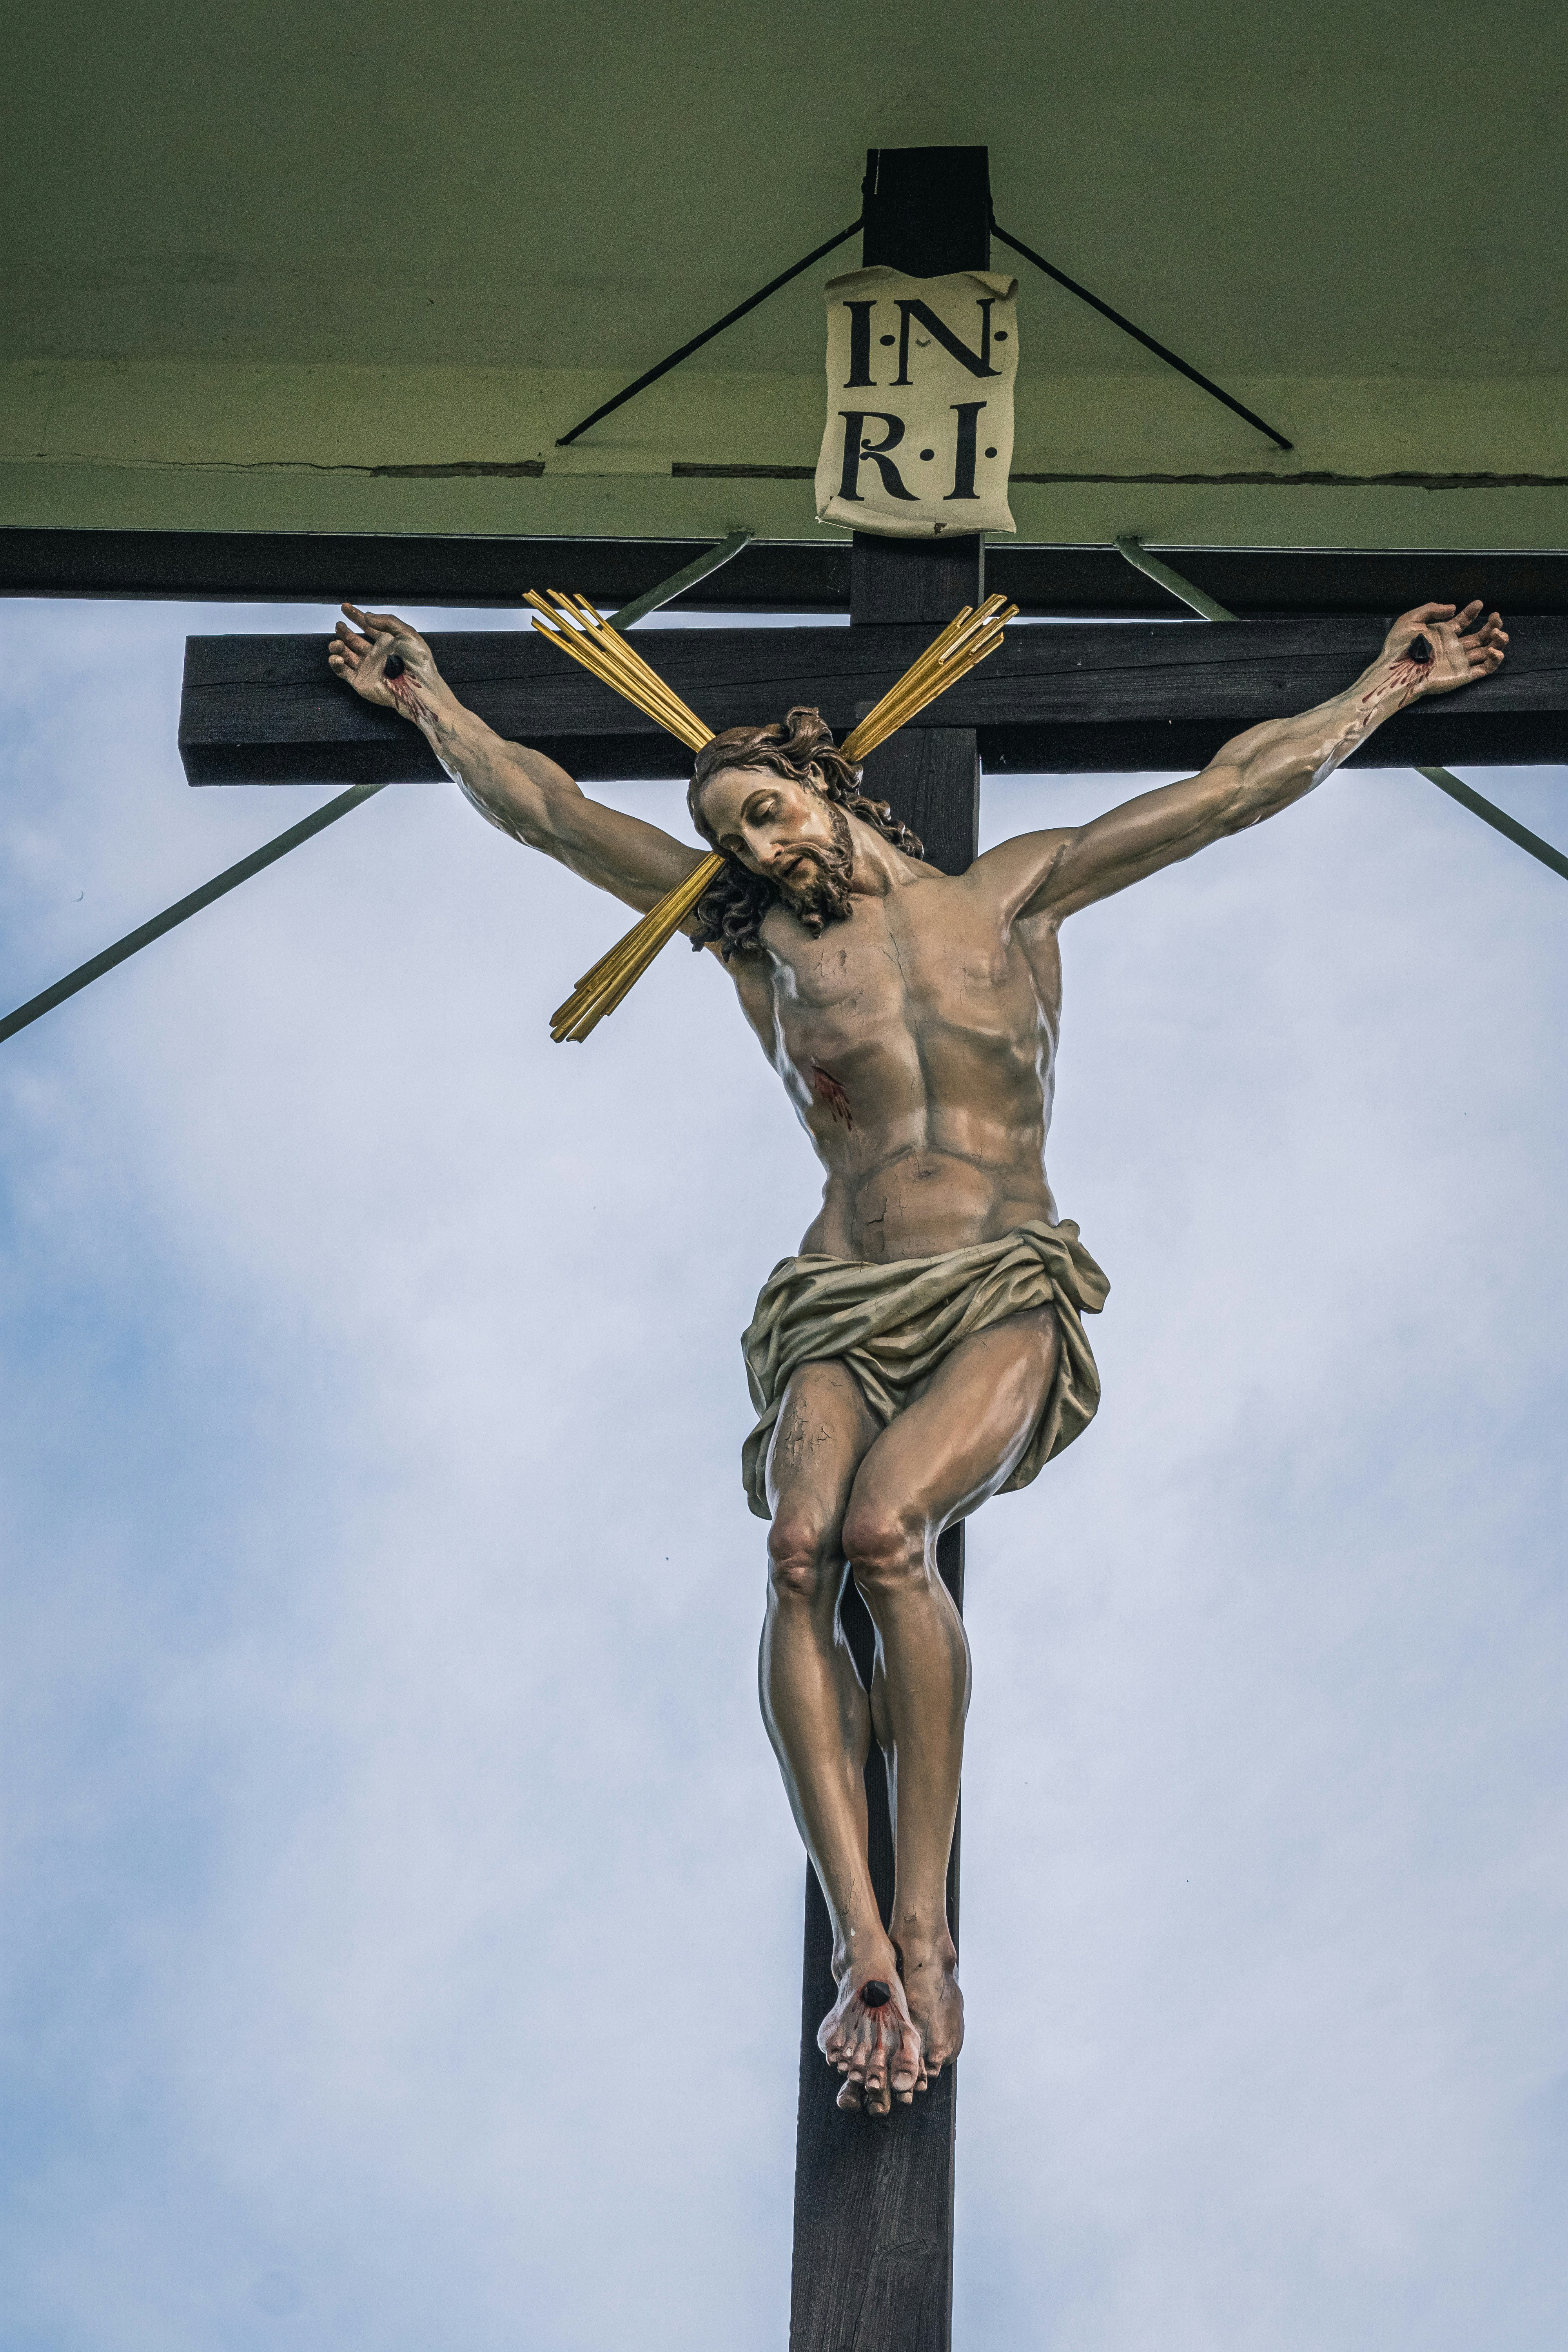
(919, 401)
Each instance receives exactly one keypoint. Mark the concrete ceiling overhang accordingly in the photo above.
(292, 268)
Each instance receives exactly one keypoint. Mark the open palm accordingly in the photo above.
(1463, 646)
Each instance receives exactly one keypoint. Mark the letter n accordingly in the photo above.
(977, 363)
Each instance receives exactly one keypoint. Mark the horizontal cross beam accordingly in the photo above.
(1066, 700)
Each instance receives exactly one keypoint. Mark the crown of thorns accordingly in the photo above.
(578, 626)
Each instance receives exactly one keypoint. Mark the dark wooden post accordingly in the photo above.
(873, 2200)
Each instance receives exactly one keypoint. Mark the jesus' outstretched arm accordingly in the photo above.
(522, 792)
(1430, 650)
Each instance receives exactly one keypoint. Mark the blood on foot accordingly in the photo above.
(871, 2041)
(825, 1085)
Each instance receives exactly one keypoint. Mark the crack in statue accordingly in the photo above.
(925, 1349)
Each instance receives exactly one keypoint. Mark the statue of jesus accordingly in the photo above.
(925, 1349)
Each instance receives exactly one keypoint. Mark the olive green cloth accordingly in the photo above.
(894, 1325)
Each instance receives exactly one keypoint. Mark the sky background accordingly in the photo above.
(386, 1813)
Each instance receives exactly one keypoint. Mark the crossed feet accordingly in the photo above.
(897, 2023)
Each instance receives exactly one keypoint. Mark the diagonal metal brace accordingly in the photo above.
(1182, 367)
(653, 373)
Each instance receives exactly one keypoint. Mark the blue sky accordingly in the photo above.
(387, 1810)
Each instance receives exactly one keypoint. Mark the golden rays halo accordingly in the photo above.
(579, 629)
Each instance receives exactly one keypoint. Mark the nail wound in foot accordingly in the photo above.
(875, 1994)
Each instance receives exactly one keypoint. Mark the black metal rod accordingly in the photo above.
(701, 568)
(182, 908)
(1520, 835)
(707, 334)
(1127, 326)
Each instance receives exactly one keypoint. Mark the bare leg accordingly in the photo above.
(934, 1463)
(819, 1721)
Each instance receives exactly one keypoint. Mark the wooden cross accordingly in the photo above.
(873, 2225)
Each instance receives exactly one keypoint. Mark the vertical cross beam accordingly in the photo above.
(873, 2200)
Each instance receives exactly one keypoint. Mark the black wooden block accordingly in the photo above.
(1074, 698)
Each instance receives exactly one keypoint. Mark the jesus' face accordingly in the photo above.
(794, 835)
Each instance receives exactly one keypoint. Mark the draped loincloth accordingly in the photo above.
(894, 1325)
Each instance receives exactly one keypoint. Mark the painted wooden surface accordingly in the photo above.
(1075, 697)
(777, 575)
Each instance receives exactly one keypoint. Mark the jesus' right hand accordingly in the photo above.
(360, 652)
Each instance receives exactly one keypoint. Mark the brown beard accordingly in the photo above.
(821, 895)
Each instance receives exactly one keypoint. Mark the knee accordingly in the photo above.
(885, 1548)
(804, 1557)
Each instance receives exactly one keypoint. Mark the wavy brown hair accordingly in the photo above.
(730, 915)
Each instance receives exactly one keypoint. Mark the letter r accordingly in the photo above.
(856, 448)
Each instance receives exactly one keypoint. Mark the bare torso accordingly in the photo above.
(917, 1041)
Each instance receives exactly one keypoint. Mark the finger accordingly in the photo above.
(384, 624)
(377, 624)
(1469, 615)
(1424, 612)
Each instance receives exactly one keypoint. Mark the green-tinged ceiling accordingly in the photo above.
(255, 257)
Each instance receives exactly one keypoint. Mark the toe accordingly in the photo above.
(848, 2097)
(904, 2061)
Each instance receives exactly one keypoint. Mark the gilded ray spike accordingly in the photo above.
(967, 639)
(578, 627)
(600, 991)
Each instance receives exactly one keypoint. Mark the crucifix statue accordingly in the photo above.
(925, 1348)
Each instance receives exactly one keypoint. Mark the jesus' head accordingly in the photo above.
(773, 801)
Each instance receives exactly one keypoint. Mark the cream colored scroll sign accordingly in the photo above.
(920, 403)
